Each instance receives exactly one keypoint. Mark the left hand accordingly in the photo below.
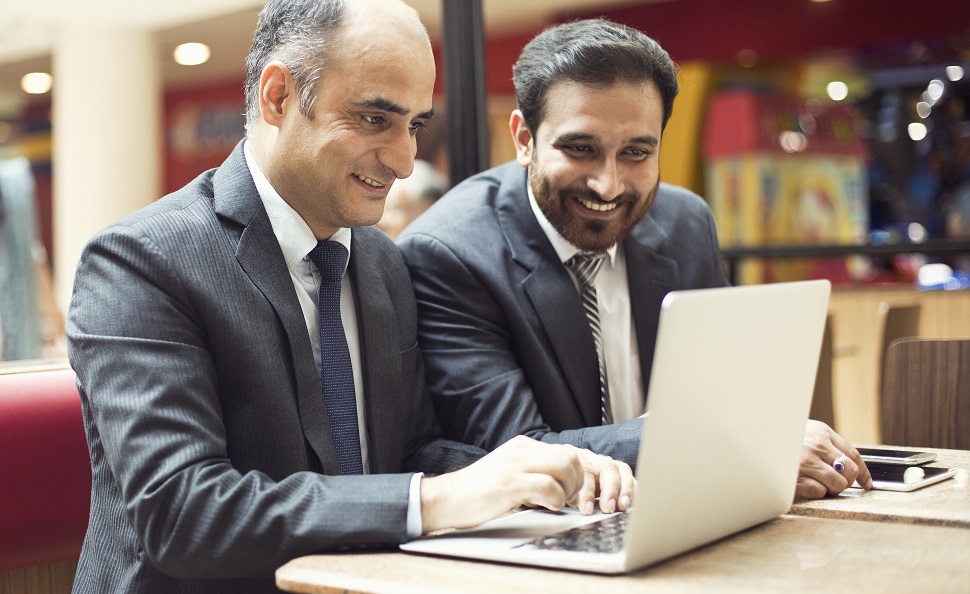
(816, 475)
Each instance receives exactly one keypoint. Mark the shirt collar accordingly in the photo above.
(564, 249)
(293, 234)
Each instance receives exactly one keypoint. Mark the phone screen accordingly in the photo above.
(895, 477)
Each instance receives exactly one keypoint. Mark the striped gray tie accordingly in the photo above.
(585, 267)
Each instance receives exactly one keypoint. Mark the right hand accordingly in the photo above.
(523, 471)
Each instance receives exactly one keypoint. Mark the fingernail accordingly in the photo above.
(611, 505)
(589, 507)
(625, 502)
(869, 484)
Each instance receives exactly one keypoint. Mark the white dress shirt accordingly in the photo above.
(616, 321)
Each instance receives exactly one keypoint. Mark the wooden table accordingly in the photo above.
(943, 504)
(881, 541)
(789, 554)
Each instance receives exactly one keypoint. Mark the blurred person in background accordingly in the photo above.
(411, 196)
(31, 324)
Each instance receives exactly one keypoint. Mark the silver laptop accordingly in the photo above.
(731, 386)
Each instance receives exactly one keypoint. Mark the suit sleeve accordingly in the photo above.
(155, 419)
(479, 385)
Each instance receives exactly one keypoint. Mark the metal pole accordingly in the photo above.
(465, 93)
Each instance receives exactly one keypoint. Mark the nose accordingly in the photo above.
(605, 181)
(398, 154)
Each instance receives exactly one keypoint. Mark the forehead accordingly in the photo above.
(616, 112)
(393, 66)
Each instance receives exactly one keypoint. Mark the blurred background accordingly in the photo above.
(831, 138)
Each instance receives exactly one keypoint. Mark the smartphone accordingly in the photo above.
(896, 477)
(902, 457)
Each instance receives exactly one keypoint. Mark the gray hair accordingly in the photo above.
(300, 34)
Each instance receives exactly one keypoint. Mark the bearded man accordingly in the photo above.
(539, 282)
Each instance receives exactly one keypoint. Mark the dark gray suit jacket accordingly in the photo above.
(506, 343)
(208, 434)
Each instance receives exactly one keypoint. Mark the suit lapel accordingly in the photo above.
(650, 278)
(259, 254)
(545, 283)
(380, 356)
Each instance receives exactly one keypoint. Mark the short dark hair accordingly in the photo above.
(593, 52)
(300, 34)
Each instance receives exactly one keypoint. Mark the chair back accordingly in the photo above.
(45, 471)
(895, 321)
(926, 397)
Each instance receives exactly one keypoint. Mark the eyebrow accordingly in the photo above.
(581, 137)
(388, 105)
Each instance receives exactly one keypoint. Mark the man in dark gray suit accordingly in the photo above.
(218, 451)
(514, 341)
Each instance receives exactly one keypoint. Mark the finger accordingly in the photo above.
(584, 499)
(810, 488)
(840, 480)
(610, 483)
(628, 485)
(864, 478)
(861, 471)
(818, 468)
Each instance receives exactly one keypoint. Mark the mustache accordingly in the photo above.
(380, 173)
(593, 196)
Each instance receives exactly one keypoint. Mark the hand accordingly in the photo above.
(523, 471)
(816, 476)
(614, 479)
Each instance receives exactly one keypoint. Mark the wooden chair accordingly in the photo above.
(823, 408)
(895, 321)
(926, 401)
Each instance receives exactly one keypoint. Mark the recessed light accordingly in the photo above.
(191, 54)
(36, 83)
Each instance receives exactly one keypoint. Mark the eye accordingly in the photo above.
(416, 127)
(638, 154)
(577, 150)
(375, 120)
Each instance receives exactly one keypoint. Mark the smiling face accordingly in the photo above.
(594, 162)
(336, 168)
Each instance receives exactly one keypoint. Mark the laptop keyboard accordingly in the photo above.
(603, 536)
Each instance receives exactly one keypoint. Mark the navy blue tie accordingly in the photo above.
(336, 371)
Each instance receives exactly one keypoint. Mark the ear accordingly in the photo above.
(275, 86)
(522, 137)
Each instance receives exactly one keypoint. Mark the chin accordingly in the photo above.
(592, 236)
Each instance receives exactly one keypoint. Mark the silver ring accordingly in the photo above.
(839, 464)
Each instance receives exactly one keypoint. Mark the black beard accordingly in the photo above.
(589, 235)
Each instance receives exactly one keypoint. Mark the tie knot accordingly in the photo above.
(586, 266)
(330, 258)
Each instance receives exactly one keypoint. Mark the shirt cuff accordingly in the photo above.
(415, 521)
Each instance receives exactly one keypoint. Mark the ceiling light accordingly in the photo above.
(923, 109)
(36, 83)
(837, 90)
(954, 73)
(191, 54)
